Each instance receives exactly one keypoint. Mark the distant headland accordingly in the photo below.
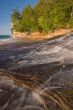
(46, 19)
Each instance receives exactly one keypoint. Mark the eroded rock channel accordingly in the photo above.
(37, 76)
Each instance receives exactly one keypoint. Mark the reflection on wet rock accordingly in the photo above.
(20, 93)
(37, 76)
(16, 95)
(32, 108)
(4, 99)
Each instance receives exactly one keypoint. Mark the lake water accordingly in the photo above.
(4, 37)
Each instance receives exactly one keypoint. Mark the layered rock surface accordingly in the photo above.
(38, 76)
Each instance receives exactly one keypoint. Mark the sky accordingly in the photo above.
(6, 7)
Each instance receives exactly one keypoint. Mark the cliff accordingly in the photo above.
(40, 36)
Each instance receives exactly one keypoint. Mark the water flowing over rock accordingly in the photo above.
(37, 76)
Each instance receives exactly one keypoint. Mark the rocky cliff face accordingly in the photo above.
(40, 36)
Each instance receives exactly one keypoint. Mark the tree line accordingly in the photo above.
(45, 16)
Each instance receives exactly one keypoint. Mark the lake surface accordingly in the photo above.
(3, 37)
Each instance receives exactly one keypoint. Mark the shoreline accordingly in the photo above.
(34, 37)
(37, 36)
(7, 41)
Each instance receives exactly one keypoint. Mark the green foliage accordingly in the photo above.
(28, 19)
(15, 15)
(46, 15)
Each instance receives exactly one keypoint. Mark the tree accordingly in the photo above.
(15, 17)
(28, 19)
(45, 16)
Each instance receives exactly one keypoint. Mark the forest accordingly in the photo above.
(45, 16)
